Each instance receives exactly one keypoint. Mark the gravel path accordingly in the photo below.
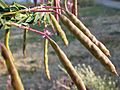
(110, 3)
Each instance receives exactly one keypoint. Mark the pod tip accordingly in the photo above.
(116, 74)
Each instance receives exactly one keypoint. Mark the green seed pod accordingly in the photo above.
(6, 41)
(15, 79)
(88, 44)
(46, 58)
(65, 4)
(87, 32)
(59, 30)
(68, 66)
(24, 42)
(7, 35)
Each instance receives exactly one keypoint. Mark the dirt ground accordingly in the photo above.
(105, 26)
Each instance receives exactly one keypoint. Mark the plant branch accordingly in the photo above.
(27, 28)
(34, 9)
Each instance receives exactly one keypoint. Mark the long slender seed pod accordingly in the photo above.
(88, 44)
(24, 42)
(87, 32)
(68, 66)
(65, 5)
(46, 58)
(74, 8)
(6, 40)
(59, 29)
(15, 79)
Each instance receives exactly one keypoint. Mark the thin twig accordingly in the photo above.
(34, 9)
(27, 28)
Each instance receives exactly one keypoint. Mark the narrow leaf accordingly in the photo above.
(2, 4)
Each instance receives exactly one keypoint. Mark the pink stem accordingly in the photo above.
(44, 11)
(56, 4)
(35, 9)
(52, 7)
(27, 28)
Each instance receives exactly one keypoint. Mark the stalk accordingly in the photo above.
(27, 28)
(35, 9)
(24, 42)
(56, 4)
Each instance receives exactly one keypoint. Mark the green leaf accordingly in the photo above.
(25, 24)
(2, 4)
(19, 16)
(6, 27)
(4, 9)
(14, 8)
(22, 20)
(1, 25)
(37, 17)
(46, 18)
(20, 6)
(1, 9)
(30, 19)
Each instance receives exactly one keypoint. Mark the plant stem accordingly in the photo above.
(24, 42)
(27, 28)
(35, 9)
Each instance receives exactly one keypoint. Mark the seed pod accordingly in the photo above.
(15, 79)
(59, 30)
(74, 8)
(24, 42)
(68, 66)
(65, 4)
(6, 41)
(87, 32)
(88, 44)
(7, 35)
(46, 58)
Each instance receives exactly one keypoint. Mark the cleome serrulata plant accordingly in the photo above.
(48, 14)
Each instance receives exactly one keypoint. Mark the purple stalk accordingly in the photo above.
(35, 9)
(52, 7)
(28, 28)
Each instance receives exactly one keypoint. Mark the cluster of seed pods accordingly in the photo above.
(76, 27)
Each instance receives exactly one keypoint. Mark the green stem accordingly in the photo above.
(24, 42)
